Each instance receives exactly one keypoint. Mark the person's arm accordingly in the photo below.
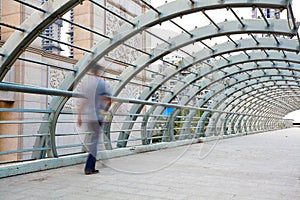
(81, 108)
(108, 101)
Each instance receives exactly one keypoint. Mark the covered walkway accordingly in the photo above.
(180, 73)
(260, 166)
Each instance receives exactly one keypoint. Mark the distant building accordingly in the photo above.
(71, 34)
(269, 13)
(53, 32)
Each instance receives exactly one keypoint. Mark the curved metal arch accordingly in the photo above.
(37, 22)
(151, 18)
(276, 87)
(260, 105)
(147, 93)
(229, 27)
(253, 120)
(193, 78)
(201, 127)
(254, 57)
(253, 82)
(163, 49)
(249, 98)
(120, 36)
(264, 79)
(270, 45)
(141, 23)
(206, 70)
(258, 95)
(230, 98)
(232, 123)
(248, 69)
(239, 106)
(249, 124)
(231, 120)
(267, 45)
(244, 45)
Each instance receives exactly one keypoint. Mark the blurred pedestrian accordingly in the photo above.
(94, 106)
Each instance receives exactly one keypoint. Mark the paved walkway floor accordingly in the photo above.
(263, 166)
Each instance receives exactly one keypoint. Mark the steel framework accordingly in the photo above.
(245, 84)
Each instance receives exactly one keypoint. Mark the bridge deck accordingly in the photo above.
(260, 166)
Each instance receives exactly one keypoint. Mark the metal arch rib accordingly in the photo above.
(256, 121)
(286, 44)
(266, 43)
(239, 106)
(235, 94)
(262, 79)
(160, 109)
(260, 105)
(267, 94)
(37, 22)
(241, 80)
(212, 124)
(142, 22)
(216, 92)
(195, 92)
(150, 18)
(233, 122)
(289, 108)
(240, 59)
(247, 44)
(229, 27)
(207, 98)
(192, 78)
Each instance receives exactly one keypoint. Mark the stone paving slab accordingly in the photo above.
(263, 166)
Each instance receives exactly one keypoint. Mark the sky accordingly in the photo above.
(220, 17)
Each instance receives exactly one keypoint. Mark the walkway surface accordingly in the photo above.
(261, 166)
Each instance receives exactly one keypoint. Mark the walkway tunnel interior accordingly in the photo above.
(180, 71)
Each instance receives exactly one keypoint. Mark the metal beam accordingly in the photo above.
(267, 43)
(37, 22)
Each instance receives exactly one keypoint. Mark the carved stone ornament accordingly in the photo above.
(56, 78)
(122, 53)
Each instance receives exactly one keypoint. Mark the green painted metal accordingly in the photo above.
(232, 104)
(259, 111)
(244, 45)
(37, 90)
(142, 22)
(232, 121)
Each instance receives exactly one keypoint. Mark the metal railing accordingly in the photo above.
(70, 140)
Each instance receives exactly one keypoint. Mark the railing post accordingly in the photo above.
(145, 141)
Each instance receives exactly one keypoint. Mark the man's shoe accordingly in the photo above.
(91, 172)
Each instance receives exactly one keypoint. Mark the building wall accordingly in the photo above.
(27, 73)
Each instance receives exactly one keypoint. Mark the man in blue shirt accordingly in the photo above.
(96, 102)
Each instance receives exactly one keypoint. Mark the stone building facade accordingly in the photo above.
(24, 124)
